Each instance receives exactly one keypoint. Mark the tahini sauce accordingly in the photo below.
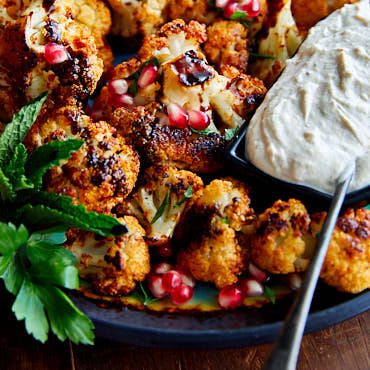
(315, 120)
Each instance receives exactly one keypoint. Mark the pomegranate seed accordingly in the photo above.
(162, 268)
(221, 3)
(182, 294)
(147, 76)
(198, 120)
(187, 277)
(230, 9)
(251, 288)
(252, 7)
(165, 251)
(55, 54)
(294, 281)
(171, 280)
(256, 273)
(124, 100)
(230, 297)
(177, 115)
(118, 87)
(155, 284)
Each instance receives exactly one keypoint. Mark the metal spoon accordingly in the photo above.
(285, 353)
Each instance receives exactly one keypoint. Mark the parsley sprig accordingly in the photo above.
(33, 268)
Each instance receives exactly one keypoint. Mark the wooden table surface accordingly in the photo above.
(344, 346)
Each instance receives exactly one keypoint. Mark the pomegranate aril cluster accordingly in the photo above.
(167, 280)
(251, 8)
(232, 296)
(180, 118)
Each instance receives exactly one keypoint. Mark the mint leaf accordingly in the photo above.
(49, 155)
(256, 55)
(225, 221)
(55, 235)
(238, 15)
(134, 87)
(270, 294)
(52, 209)
(207, 131)
(187, 195)
(230, 133)
(15, 169)
(29, 307)
(65, 319)
(162, 207)
(11, 238)
(246, 23)
(52, 263)
(17, 129)
(6, 188)
(146, 299)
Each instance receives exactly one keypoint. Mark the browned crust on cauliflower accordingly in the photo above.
(227, 45)
(207, 233)
(163, 144)
(282, 243)
(188, 10)
(24, 70)
(101, 173)
(347, 263)
(112, 264)
(144, 203)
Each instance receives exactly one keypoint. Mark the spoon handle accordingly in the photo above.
(286, 350)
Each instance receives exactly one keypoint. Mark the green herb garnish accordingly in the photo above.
(238, 15)
(145, 296)
(187, 195)
(207, 131)
(246, 23)
(256, 55)
(162, 207)
(368, 207)
(270, 294)
(225, 221)
(33, 268)
(230, 133)
(134, 87)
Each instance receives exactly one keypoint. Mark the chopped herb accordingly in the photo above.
(187, 195)
(207, 131)
(256, 55)
(134, 87)
(270, 294)
(225, 221)
(238, 15)
(230, 133)
(145, 298)
(368, 207)
(162, 208)
(246, 23)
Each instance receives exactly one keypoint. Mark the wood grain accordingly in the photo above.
(344, 346)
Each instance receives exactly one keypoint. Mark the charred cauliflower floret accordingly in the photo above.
(280, 39)
(184, 79)
(166, 187)
(97, 17)
(25, 69)
(347, 263)
(207, 233)
(282, 243)
(113, 265)
(227, 44)
(99, 175)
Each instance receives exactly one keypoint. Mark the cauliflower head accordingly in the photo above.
(113, 265)
(282, 243)
(207, 233)
(166, 187)
(24, 71)
(281, 39)
(99, 175)
(347, 262)
(184, 78)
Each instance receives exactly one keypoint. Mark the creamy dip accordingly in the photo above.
(315, 120)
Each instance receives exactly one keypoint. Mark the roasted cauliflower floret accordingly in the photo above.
(282, 243)
(24, 70)
(166, 187)
(281, 39)
(227, 44)
(113, 265)
(185, 79)
(347, 263)
(99, 175)
(207, 234)
(131, 18)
